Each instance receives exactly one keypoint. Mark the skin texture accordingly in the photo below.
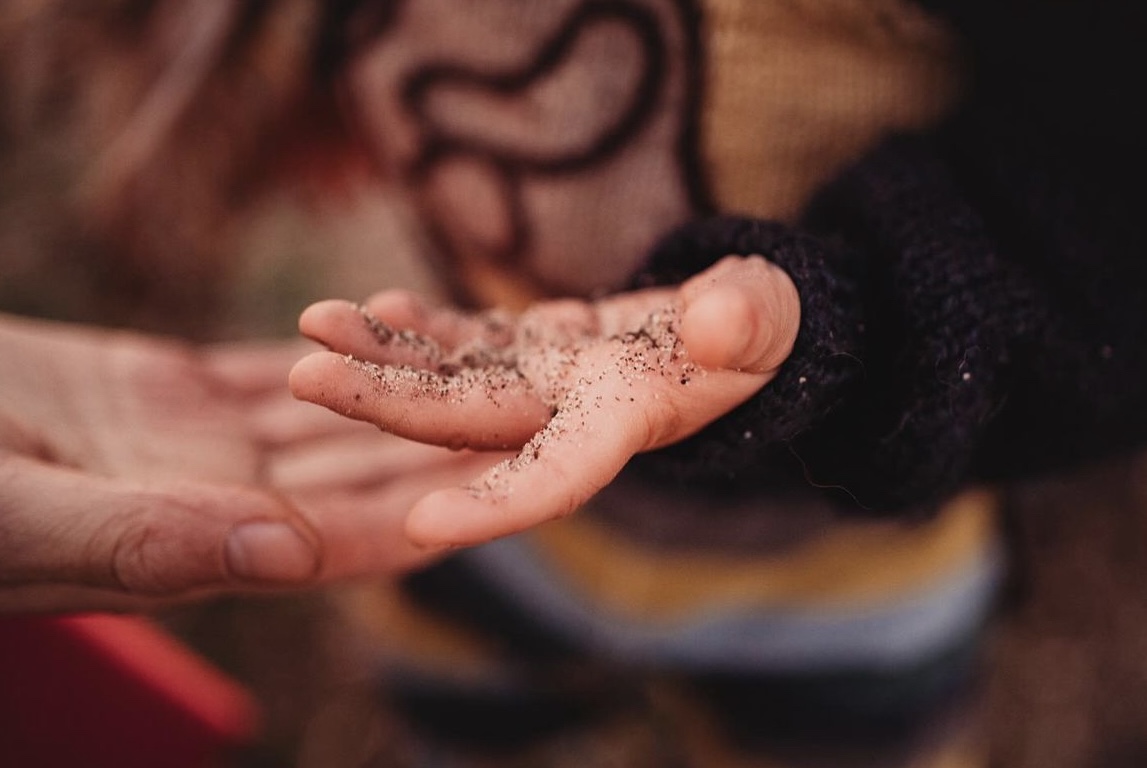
(136, 471)
(577, 388)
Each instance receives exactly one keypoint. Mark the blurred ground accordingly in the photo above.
(1067, 675)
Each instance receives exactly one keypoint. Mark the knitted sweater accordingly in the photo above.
(968, 287)
(971, 298)
(550, 152)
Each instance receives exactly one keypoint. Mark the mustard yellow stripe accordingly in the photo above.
(963, 754)
(826, 79)
(852, 563)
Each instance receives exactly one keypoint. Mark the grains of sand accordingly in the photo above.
(550, 359)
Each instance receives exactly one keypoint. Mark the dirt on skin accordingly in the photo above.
(537, 353)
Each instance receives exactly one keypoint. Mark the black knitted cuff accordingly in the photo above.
(946, 315)
(907, 342)
(824, 363)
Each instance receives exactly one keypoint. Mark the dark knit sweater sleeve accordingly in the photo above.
(944, 337)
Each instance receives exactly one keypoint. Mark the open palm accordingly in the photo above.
(136, 469)
(577, 388)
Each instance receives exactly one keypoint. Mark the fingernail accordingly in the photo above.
(722, 338)
(270, 551)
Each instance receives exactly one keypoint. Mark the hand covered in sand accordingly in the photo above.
(135, 469)
(576, 388)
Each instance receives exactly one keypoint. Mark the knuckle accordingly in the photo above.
(149, 557)
(135, 567)
(578, 485)
(661, 424)
(576, 491)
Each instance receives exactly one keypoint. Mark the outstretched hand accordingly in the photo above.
(576, 388)
(137, 469)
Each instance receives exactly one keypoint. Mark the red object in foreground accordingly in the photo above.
(102, 690)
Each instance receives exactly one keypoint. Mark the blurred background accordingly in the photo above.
(170, 167)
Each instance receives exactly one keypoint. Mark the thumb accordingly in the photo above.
(742, 314)
(63, 526)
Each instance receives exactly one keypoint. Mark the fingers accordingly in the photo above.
(350, 329)
(280, 420)
(363, 529)
(576, 455)
(406, 331)
(618, 374)
(742, 314)
(450, 328)
(59, 525)
(474, 408)
(355, 461)
(253, 368)
(624, 312)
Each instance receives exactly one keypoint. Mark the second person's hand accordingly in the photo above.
(136, 470)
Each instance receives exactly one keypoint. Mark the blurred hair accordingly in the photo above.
(174, 118)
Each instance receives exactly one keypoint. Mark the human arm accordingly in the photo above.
(135, 470)
(969, 300)
(1006, 246)
(932, 351)
(971, 305)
